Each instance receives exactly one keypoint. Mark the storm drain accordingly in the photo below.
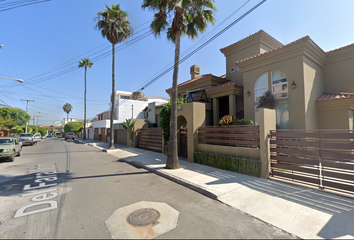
(143, 217)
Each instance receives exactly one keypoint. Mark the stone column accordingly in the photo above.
(232, 105)
(267, 122)
(215, 111)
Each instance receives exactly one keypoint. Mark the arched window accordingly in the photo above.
(279, 84)
(261, 86)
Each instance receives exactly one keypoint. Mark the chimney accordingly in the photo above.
(195, 71)
(137, 95)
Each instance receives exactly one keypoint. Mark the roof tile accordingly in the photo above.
(228, 84)
(334, 96)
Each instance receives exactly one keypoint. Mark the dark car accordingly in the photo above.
(50, 136)
(70, 135)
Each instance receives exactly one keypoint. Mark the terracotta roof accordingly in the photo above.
(223, 76)
(197, 79)
(192, 80)
(228, 84)
(276, 49)
(348, 46)
(249, 37)
(334, 96)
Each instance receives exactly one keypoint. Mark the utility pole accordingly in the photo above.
(27, 110)
(37, 124)
(34, 118)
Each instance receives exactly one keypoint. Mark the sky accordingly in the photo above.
(43, 43)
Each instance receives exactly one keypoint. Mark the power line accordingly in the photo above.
(22, 5)
(199, 48)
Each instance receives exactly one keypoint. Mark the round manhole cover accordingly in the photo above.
(143, 217)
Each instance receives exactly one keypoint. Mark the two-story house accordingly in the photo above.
(314, 88)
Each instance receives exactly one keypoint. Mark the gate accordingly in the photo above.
(322, 158)
(150, 139)
(183, 143)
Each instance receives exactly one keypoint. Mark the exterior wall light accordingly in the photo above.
(248, 93)
(293, 85)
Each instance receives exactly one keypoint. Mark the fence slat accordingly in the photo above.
(297, 177)
(291, 134)
(239, 142)
(228, 135)
(339, 175)
(338, 185)
(338, 165)
(295, 151)
(294, 168)
(294, 143)
(295, 160)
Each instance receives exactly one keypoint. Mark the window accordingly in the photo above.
(124, 97)
(261, 86)
(282, 115)
(232, 70)
(279, 87)
(279, 84)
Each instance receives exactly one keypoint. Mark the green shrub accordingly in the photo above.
(230, 163)
(165, 115)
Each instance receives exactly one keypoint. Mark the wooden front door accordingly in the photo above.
(183, 143)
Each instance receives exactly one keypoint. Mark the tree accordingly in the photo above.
(43, 131)
(73, 127)
(129, 126)
(67, 108)
(85, 62)
(267, 100)
(188, 18)
(116, 28)
(7, 123)
(19, 116)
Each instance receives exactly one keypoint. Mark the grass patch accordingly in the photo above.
(230, 163)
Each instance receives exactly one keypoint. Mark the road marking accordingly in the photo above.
(47, 174)
(29, 194)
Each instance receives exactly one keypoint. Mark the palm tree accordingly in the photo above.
(85, 62)
(116, 28)
(188, 18)
(67, 108)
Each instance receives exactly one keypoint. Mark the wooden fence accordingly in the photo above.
(323, 158)
(236, 136)
(150, 139)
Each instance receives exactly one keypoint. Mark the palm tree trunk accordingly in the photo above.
(111, 142)
(172, 158)
(84, 137)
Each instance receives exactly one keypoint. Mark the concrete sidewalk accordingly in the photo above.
(304, 212)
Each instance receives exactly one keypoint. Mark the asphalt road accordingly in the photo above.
(60, 189)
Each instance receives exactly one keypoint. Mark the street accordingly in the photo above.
(60, 189)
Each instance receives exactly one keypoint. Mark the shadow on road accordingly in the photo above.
(15, 185)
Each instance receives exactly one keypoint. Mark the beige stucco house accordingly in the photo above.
(315, 89)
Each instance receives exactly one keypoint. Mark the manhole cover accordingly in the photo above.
(143, 217)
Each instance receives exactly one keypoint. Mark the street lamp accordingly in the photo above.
(16, 79)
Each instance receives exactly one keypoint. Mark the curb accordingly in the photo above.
(91, 145)
(176, 179)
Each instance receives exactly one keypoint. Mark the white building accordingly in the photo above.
(127, 105)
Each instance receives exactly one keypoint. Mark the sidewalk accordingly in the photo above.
(304, 212)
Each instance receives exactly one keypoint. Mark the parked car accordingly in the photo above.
(69, 135)
(9, 148)
(26, 138)
(43, 137)
(37, 138)
(50, 136)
